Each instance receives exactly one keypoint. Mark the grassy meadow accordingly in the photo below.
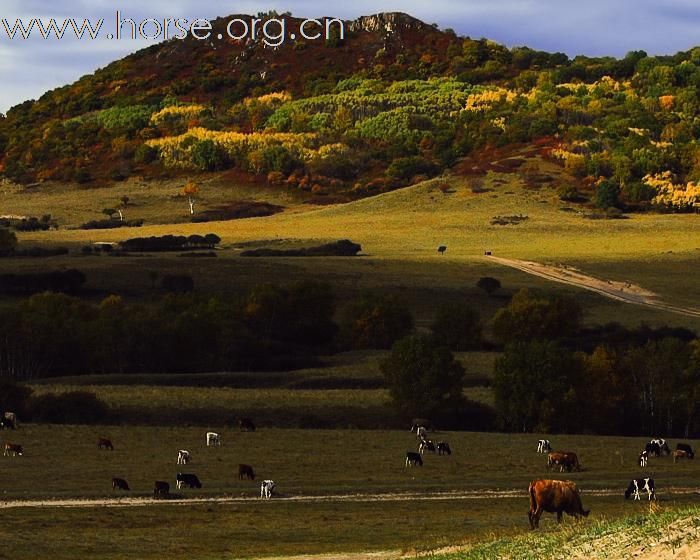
(63, 462)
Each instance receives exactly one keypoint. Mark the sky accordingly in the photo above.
(28, 68)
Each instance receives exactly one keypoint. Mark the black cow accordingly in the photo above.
(120, 484)
(161, 489)
(7, 424)
(246, 471)
(189, 480)
(688, 450)
(443, 448)
(413, 459)
(642, 484)
(246, 425)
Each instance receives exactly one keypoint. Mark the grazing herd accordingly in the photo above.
(551, 496)
(562, 496)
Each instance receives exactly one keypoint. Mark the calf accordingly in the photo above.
(246, 425)
(120, 484)
(413, 459)
(643, 458)
(680, 454)
(213, 439)
(104, 443)
(685, 447)
(426, 445)
(643, 484)
(189, 480)
(13, 449)
(183, 457)
(161, 489)
(544, 446)
(266, 489)
(443, 448)
(246, 471)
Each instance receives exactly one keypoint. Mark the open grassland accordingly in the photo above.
(400, 231)
(313, 462)
(661, 533)
(279, 528)
(63, 462)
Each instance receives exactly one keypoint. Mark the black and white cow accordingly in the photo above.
(266, 489)
(643, 484)
(687, 448)
(421, 431)
(443, 448)
(213, 439)
(413, 459)
(183, 457)
(657, 447)
(426, 445)
(643, 458)
(189, 480)
(544, 446)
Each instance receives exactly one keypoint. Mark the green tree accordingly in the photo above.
(607, 195)
(489, 284)
(457, 326)
(423, 377)
(376, 321)
(536, 387)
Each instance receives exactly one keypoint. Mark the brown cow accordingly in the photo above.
(564, 460)
(246, 471)
(13, 449)
(681, 454)
(104, 443)
(554, 496)
(120, 484)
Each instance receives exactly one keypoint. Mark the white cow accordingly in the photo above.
(183, 457)
(266, 489)
(213, 439)
(544, 446)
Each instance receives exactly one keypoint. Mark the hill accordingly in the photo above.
(390, 103)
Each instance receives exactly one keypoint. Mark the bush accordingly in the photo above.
(75, 407)
(404, 169)
(343, 248)
(488, 284)
(458, 327)
(207, 155)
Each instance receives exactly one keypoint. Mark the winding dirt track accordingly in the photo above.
(620, 291)
(143, 501)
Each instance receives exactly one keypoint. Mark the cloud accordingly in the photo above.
(594, 27)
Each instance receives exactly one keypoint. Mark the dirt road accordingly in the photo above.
(388, 497)
(620, 291)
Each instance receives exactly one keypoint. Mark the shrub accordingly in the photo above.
(376, 321)
(405, 168)
(488, 284)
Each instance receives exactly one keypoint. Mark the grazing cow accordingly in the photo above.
(685, 447)
(642, 484)
(413, 459)
(246, 471)
(643, 458)
(554, 496)
(564, 460)
(104, 443)
(183, 457)
(426, 445)
(5, 424)
(9, 419)
(421, 431)
(266, 489)
(442, 249)
(680, 454)
(161, 489)
(544, 446)
(120, 484)
(657, 447)
(443, 448)
(246, 425)
(13, 449)
(189, 480)
(213, 439)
